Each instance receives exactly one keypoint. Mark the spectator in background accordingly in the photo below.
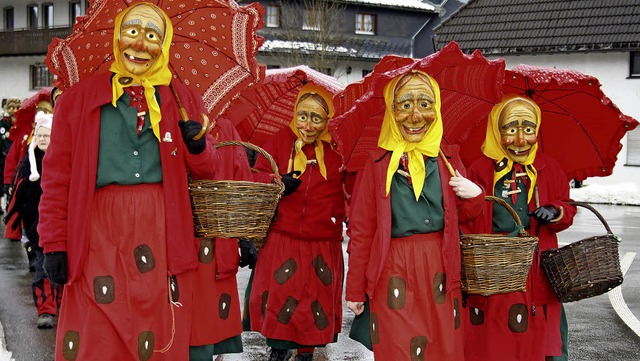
(9, 110)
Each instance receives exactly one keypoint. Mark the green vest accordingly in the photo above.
(125, 157)
(503, 222)
(426, 215)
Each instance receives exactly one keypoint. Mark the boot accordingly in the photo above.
(305, 356)
(277, 354)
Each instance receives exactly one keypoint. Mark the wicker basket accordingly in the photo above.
(235, 209)
(586, 268)
(496, 263)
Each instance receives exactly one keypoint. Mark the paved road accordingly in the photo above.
(596, 331)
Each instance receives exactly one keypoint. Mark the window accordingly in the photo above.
(273, 16)
(74, 11)
(634, 64)
(365, 24)
(633, 147)
(311, 20)
(47, 15)
(365, 72)
(32, 16)
(40, 76)
(273, 66)
(8, 18)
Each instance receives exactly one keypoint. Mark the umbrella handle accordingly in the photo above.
(185, 116)
(446, 162)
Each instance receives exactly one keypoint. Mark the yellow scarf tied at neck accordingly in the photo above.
(299, 158)
(391, 139)
(158, 74)
(492, 146)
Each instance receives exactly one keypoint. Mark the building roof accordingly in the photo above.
(407, 4)
(543, 26)
(366, 49)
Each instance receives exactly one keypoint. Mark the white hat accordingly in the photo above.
(42, 120)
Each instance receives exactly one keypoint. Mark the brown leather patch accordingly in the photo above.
(418, 345)
(456, 313)
(175, 290)
(206, 251)
(375, 333)
(70, 345)
(518, 318)
(476, 316)
(103, 289)
(396, 293)
(146, 342)
(322, 270)
(440, 288)
(224, 304)
(265, 297)
(144, 258)
(319, 317)
(286, 312)
(125, 80)
(286, 271)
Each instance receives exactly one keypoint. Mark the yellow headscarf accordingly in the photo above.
(300, 159)
(391, 138)
(158, 74)
(492, 146)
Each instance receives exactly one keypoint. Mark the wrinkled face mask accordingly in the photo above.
(413, 109)
(141, 37)
(11, 108)
(44, 106)
(518, 131)
(311, 119)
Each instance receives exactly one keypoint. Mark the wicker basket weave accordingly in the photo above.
(496, 263)
(235, 209)
(586, 268)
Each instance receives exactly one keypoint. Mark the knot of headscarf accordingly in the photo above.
(299, 158)
(158, 74)
(492, 146)
(391, 139)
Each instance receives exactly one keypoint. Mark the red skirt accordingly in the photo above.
(296, 293)
(118, 308)
(412, 315)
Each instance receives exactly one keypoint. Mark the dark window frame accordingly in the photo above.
(33, 18)
(9, 21)
(47, 15)
(272, 20)
(73, 12)
(40, 76)
(361, 23)
(634, 64)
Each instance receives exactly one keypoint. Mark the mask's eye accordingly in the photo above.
(132, 32)
(511, 131)
(425, 105)
(406, 105)
(529, 130)
(153, 37)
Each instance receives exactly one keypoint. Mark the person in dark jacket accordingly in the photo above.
(27, 193)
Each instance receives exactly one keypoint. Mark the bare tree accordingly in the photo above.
(311, 30)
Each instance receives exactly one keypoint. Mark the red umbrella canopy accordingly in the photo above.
(213, 49)
(581, 127)
(263, 110)
(470, 86)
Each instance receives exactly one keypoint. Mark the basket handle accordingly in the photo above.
(253, 147)
(512, 212)
(600, 217)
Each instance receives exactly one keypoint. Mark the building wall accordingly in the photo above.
(612, 69)
(60, 12)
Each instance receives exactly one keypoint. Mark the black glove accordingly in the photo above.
(544, 214)
(290, 182)
(248, 253)
(55, 266)
(190, 129)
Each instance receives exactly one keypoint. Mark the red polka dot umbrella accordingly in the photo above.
(213, 49)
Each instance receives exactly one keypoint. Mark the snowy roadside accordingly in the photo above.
(4, 354)
(622, 194)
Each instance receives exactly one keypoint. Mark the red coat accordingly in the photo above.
(553, 189)
(316, 210)
(370, 224)
(72, 159)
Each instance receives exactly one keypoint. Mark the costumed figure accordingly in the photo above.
(9, 110)
(21, 135)
(296, 286)
(404, 253)
(518, 326)
(115, 215)
(24, 204)
(217, 325)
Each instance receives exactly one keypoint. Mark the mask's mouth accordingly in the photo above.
(414, 130)
(136, 59)
(519, 152)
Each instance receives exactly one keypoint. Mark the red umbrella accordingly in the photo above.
(25, 116)
(470, 86)
(581, 127)
(213, 49)
(263, 110)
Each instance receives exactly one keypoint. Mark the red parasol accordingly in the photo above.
(470, 86)
(581, 128)
(213, 49)
(263, 110)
